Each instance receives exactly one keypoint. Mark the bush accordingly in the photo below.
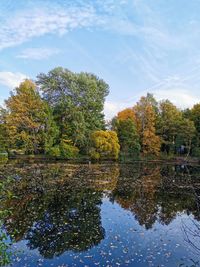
(54, 152)
(94, 155)
(105, 145)
(67, 150)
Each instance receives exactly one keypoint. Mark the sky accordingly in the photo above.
(136, 46)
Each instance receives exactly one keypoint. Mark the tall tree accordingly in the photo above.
(185, 133)
(145, 123)
(169, 119)
(195, 116)
(128, 138)
(4, 140)
(27, 119)
(77, 100)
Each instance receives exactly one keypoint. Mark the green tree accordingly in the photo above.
(77, 100)
(4, 142)
(170, 118)
(128, 138)
(194, 115)
(185, 133)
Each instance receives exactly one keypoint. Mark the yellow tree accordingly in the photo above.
(145, 123)
(26, 117)
(105, 145)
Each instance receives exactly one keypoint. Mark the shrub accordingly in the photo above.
(105, 145)
(54, 151)
(68, 150)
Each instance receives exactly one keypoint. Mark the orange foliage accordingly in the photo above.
(145, 123)
(125, 114)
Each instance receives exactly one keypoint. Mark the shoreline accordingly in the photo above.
(86, 160)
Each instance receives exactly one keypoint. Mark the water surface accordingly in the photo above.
(103, 215)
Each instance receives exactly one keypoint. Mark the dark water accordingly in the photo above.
(103, 215)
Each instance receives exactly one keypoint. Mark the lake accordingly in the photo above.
(103, 214)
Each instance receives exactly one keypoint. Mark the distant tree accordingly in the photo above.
(128, 138)
(4, 141)
(77, 100)
(145, 123)
(125, 114)
(185, 133)
(195, 117)
(170, 118)
(104, 145)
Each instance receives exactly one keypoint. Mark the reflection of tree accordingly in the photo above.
(72, 221)
(191, 229)
(157, 192)
(58, 205)
(5, 195)
(103, 178)
(177, 193)
(138, 194)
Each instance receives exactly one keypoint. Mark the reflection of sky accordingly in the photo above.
(126, 243)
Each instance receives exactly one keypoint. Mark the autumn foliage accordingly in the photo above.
(126, 114)
(105, 145)
(61, 116)
(145, 123)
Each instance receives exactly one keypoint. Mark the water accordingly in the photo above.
(103, 215)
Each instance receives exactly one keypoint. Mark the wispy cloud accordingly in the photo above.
(11, 79)
(157, 44)
(38, 53)
(27, 24)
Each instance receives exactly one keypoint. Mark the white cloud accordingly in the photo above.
(38, 53)
(59, 19)
(11, 79)
(111, 108)
(28, 24)
(182, 98)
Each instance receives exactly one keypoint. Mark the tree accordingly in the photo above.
(104, 145)
(4, 142)
(27, 119)
(176, 129)
(145, 123)
(77, 100)
(125, 114)
(128, 137)
(195, 116)
(185, 133)
(168, 123)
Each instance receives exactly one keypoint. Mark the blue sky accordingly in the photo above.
(136, 46)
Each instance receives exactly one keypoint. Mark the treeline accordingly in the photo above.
(154, 128)
(61, 115)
